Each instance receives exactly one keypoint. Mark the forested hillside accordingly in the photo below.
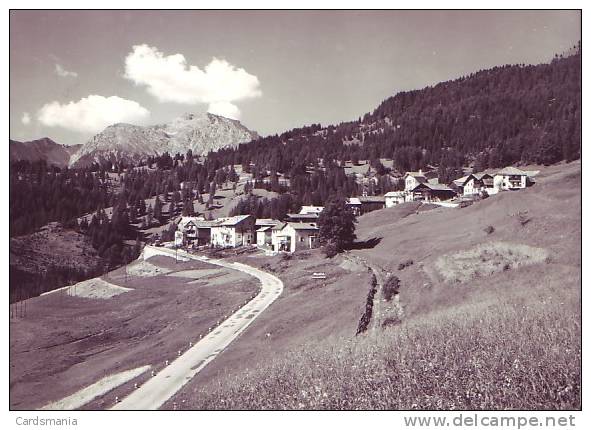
(505, 115)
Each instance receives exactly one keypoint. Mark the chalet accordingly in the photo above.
(233, 231)
(295, 236)
(354, 204)
(393, 198)
(264, 232)
(475, 184)
(431, 192)
(372, 203)
(307, 214)
(264, 236)
(510, 178)
(413, 179)
(196, 230)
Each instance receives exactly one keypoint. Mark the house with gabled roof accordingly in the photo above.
(412, 179)
(475, 184)
(264, 231)
(428, 192)
(196, 230)
(354, 204)
(295, 236)
(233, 231)
(394, 198)
(510, 178)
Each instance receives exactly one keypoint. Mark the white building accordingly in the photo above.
(412, 179)
(510, 178)
(475, 184)
(354, 204)
(307, 210)
(294, 236)
(233, 231)
(394, 197)
(264, 230)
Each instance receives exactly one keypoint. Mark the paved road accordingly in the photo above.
(154, 393)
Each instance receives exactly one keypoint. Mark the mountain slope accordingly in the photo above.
(133, 143)
(42, 149)
(491, 118)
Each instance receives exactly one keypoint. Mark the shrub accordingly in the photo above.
(366, 317)
(391, 287)
(330, 249)
(489, 230)
(523, 218)
(405, 264)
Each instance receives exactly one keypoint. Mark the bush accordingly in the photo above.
(330, 250)
(366, 317)
(405, 264)
(523, 218)
(391, 287)
(489, 230)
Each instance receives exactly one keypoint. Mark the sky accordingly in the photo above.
(72, 73)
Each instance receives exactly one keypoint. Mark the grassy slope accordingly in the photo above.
(308, 312)
(510, 340)
(67, 343)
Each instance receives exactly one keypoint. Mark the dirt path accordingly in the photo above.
(154, 393)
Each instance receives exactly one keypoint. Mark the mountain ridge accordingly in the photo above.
(44, 148)
(133, 143)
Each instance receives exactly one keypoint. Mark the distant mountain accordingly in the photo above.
(198, 133)
(42, 149)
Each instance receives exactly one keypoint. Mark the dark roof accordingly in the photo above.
(434, 187)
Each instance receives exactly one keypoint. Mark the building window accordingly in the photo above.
(301, 238)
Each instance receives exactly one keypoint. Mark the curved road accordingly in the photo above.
(165, 384)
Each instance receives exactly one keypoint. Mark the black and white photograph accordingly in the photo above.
(295, 210)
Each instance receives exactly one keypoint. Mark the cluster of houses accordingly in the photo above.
(419, 187)
(300, 231)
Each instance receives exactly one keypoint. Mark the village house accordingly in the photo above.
(196, 230)
(294, 236)
(475, 184)
(427, 192)
(413, 179)
(307, 214)
(354, 204)
(264, 232)
(510, 178)
(233, 231)
(394, 198)
(371, 203)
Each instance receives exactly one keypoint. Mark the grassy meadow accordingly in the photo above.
(491, 317)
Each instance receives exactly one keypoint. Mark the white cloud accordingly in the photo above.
(171, 79)
(224, 109)
(26, 118)
(92, 113)
(60, 71)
